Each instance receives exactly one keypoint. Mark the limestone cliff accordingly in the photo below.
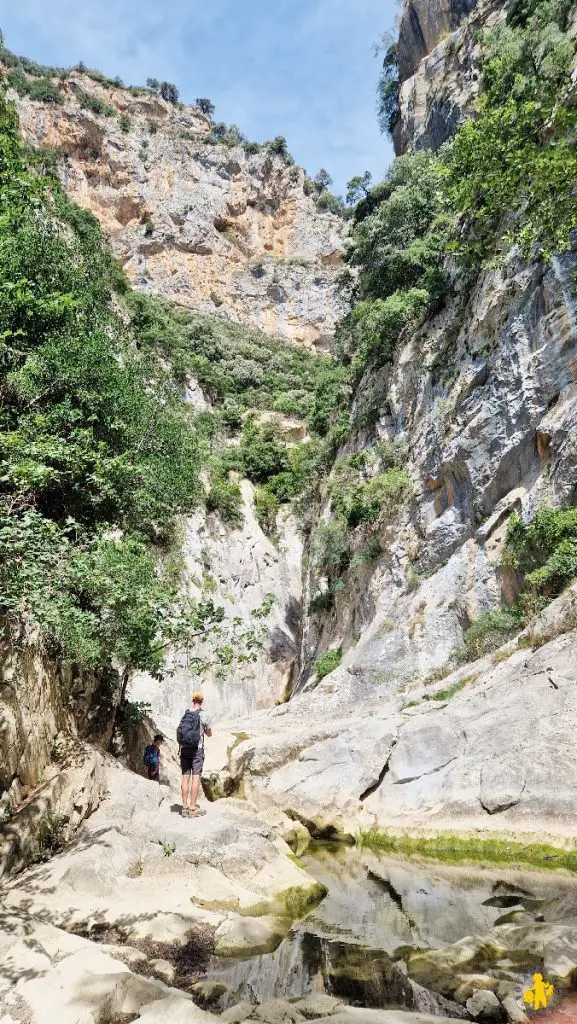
(207, 226)
(438, 51)
(482, 401)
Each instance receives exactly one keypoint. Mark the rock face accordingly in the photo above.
(207, 226)
(360, 755)
(238, 569)
(437, 54)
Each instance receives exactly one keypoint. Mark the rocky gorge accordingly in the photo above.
(369, 714)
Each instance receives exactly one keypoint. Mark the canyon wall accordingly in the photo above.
(482, 399)
(208, 226)
(438, 54)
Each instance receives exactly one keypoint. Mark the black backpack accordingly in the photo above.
(189, 731)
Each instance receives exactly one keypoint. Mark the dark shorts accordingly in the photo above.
(154, 773)
(191, 763)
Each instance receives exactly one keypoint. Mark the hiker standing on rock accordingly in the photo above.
(194, 725)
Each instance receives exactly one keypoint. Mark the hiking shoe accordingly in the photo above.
(186, 812)
(197, 813)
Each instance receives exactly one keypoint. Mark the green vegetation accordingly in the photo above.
(296, 901)
(375, 501)
(266, 508)
(261, 452)
(124, 123)
(394, 246)
(49, 836)
(545, 552)
(506, 177)
(42, 89)
(458, 850)
(449, 692)
(237, 368)
(512, 168)
(329, 546)
(99, 455)
(90, 102)
(328, 662)
(225, 498)
(167, 90)
(388, 87)
(205, 106)
(489, 631)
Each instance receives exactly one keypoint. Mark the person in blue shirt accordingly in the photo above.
(152, 758)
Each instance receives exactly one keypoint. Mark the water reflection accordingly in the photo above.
(375, 908)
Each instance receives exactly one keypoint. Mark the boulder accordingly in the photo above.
(237, 1013)
(317, 1004)
(277, 1011)
(515, 1012)
(207, 993)
(484, 1006)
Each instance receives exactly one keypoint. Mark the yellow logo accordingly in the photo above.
(539, 995)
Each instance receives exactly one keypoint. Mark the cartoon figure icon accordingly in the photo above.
(541, 992)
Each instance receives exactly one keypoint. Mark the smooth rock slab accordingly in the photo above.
(318, 1004)
(502, 783)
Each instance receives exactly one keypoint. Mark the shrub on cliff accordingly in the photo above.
(544, 551)
(225, 498)
(41, 89)
(379, 499)
(489, 631)
(513, 167)
(95, 104)
(261, 451)
(97, 454)
(330, 545)
(328, 662)
(266, 508)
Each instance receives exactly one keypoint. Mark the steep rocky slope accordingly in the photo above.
(481, 402)
(478, 408)
(206, 225)
(438, 51)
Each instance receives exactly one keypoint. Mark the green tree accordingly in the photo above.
(322, 180)
(358, 187)
(388, 89)
(169, 92)
(205, 106)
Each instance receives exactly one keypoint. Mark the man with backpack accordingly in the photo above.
(152, 758)
(194, 726)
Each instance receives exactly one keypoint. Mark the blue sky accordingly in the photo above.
(299, 68)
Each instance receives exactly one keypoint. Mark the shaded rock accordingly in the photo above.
(484, 1005)
(250, 936)
(514, 1011)
(208, 993)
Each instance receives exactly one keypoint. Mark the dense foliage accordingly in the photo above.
(508, 176)
(97, 454)
(513, 167)
(394, 249)
(388, 87)
(544, 551)
(238, 368)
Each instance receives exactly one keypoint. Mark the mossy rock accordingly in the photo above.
(296, 901)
